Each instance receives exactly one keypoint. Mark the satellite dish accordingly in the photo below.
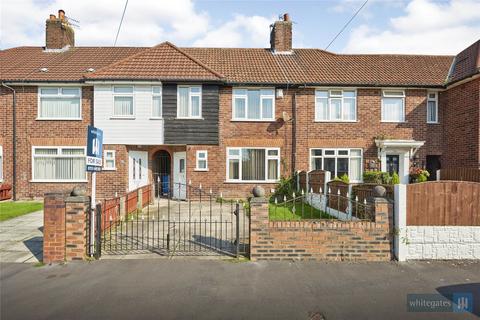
(286, 117)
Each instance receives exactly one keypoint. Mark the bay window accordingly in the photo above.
(253, 105)
(432, 107)
(253, 164)
(393, 106)
(189, 102)
(335, 105)
(123, 102)
(59, 103)
(157, 102)
(58, 164)
(338, 162)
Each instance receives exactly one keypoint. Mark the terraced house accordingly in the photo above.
(229, 118)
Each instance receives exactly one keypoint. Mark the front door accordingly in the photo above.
(179, 175)
(137, 169)
(393, 163)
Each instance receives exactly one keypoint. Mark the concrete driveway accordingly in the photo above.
(212, 289)
(21, 238)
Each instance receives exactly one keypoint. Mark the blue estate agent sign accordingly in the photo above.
(94, 149)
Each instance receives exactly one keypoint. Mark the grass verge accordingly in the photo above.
(284, 212)
(13, 209)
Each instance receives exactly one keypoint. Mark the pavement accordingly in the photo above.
(213, 289)
(21, 238)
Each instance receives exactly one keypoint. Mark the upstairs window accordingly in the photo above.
(432, 107)
(59, 164)
(189, 102)
(254, 104)
(157, 102)
(393, 106)
(123, 102)
(59, 103)
(335, 105)
(202, 160)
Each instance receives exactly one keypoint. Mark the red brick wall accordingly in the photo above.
(461, 138)
(32, 132)
(321, 239)
(54, 228)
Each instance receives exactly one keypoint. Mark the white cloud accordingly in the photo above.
(426, 27)
(147, 22)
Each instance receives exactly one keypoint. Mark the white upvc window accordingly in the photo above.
(59, 103)
(393, 106)
(1, 163)
(202, 160)
(253, 164)
(156, 102)
(338, 162)
(432, 107)
(189, 102)
(58, 164)
(123, 102)
(253, 104)
(109, 160)
(335, 105)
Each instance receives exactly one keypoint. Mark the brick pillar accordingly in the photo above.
(258, 225)
(54, 227)
(77, 209)
(383, 211)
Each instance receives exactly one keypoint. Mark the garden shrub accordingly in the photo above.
(395, 178)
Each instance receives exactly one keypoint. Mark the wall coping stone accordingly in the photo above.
(77, 199)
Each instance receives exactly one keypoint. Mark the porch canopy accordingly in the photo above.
(405, 149)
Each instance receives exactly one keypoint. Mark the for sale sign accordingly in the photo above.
(94, 149)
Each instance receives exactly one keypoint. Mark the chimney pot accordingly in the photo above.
(286, 17)
(61, 14)
(52, 17)
(59, 33)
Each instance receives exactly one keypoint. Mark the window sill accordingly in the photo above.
(251, 181)
(109, 169)
(189, 118)
(253, 120)
(200, 170)
(155, 118)
(385, 121)
(58, 119)
(335, 121)
(58, 181)
(433, 122)
(122, 118)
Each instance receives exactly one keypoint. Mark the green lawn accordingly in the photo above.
(12, 209)
(285, 212)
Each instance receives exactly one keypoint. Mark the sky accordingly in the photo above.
(382, 26)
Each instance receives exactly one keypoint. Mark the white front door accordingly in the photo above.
(179, 175)
(137, 169)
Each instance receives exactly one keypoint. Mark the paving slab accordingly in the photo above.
(21, 238)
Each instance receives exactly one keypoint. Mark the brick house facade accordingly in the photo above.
(294, 76)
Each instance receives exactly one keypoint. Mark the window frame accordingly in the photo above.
(1, 163)
(190, 95)
(402, 96)
(114, 116)
(152, 116)
(197, 159)
(59, 89)
(239, 157)
(331, 97)
(246, 119)
(105, 158)
(59, 148)
(337, 156)
(436, 106)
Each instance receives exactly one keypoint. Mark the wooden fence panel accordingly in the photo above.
(460, 174)
(302, 179)
(443, 203)
(5, 192)
(316, 180)
(132, 198)
(146, 195)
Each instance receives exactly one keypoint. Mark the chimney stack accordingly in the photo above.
(59, 33)
(281, 35)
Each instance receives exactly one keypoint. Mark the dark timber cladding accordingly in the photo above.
(191, 131)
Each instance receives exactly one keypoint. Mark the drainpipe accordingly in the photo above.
(14, 141)
(294, 132)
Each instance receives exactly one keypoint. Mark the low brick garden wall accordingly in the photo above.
(333, 240)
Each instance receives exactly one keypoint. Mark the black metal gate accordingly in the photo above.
(202, 224)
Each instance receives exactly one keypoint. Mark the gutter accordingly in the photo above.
(14, 142)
